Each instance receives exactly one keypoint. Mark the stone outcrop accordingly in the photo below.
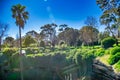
(103, 72)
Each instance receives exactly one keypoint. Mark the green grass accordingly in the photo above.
(104, 59)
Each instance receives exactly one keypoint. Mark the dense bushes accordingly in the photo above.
(108, 42)
(9, 51)
(80, 57)
(114, 58)
(42, 44)
(115, 55)
(32, 50)
(115, 50)
(100, 52)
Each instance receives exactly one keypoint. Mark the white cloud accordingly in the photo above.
(51, 16)
(45, 0)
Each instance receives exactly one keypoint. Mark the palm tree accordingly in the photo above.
(20, 15)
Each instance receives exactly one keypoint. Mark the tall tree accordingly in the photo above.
(20, 16)
(49, 32)
(34, 35)
(69, 35)
(63, 27)
(92, 24)
(103, 35)
(28, 40)
(91, 21)
(3, 29)
(111, 15)
(9, 41)
(89, 34)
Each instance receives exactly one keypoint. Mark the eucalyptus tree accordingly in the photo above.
(91, 21)
(111, 15)
(9, 40)
(63, 27)
(48, 32)
(92, 24)
(103, 35)
(88, 34)
(69, 35)
(20, 15)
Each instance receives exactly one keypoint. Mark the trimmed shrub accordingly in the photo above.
(114, 58)
(108, 42)
(115, 50)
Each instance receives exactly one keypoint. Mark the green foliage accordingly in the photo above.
(9, 41)
(9, 51)
(32, 50)
(114, 58)
(78, 58)
(33, 45)
(108, 51)
(103, 35)
(100, 52)
(13, 76)
(35, 60)
(108, 42)
(70, 36)
(28, 40)
(115, 50)
(89, 34)
(117, 66)
(42, 44)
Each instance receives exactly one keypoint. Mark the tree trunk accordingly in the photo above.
(21, 64)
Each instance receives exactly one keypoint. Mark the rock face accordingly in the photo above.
(103, 72)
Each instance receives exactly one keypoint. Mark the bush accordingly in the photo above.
(114, 58)
(33, 45)
(13, 76)
(117, 66)
(115, 50)
(42, 44)
(9, 51)
(108, 42)
(32, 51)
(100, 52)
(78, 58)
(108, 51)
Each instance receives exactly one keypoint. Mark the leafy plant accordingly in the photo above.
(117, 66)
(9, 51)
(115, 50)
(114, 58)
(108, 42)
(100, 52)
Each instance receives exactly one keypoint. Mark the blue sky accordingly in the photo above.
(70, 12)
